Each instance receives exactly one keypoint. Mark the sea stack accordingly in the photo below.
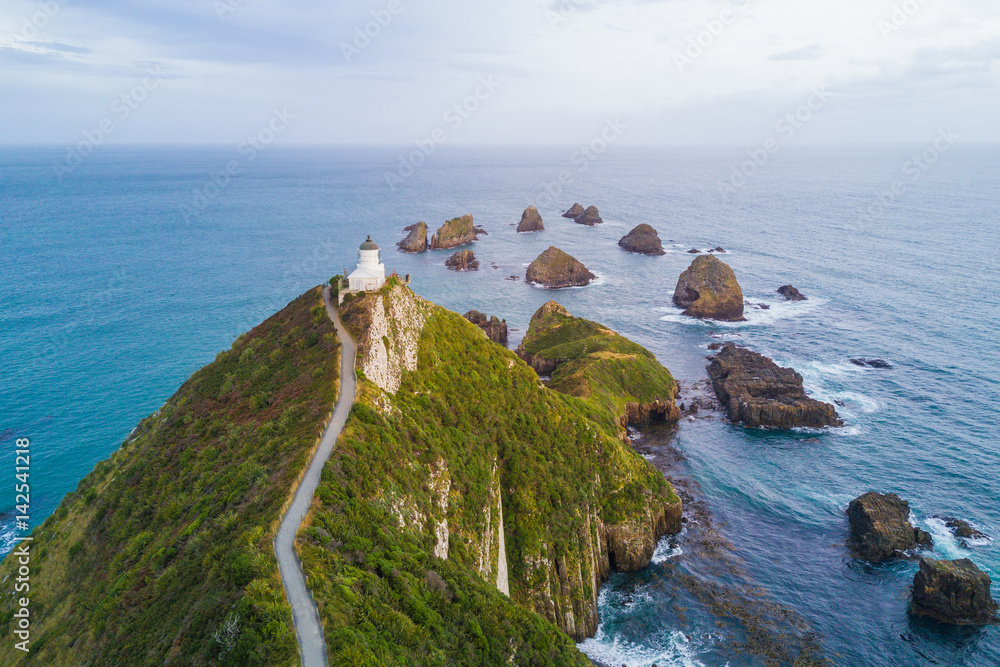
(642, 239)
(589, 217)
(756, 392)
(455, 232)
(953, 591)
(555, 268)
(463, 260)
(708, 290)
(416, 240)
(531, 221)
(574, 211)
(881, 529)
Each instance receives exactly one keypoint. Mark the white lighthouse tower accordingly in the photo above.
(370, 274)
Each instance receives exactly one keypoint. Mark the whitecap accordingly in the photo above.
(649, 457)
(778, 310)
(665, 550)
(680, 651)
(946, 544)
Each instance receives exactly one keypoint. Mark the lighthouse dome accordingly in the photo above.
(368, 244)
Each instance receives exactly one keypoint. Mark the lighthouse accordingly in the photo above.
(370, 274)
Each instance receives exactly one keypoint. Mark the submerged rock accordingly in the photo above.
(791, 293)
(642, 239)
(708, 289)
(573, 211)
(494, 328)
(881, 528)
(531, 221)
(590, 217)
(463, 260)
(869, 362)
(953, 591)
(455, 232)
(555, 268)
(416, 240)
(755, 391)
(694, 251)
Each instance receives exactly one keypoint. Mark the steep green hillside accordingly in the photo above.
(163, 555)
(458, 476)
(589, 360)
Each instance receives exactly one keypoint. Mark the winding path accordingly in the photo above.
(312, 647)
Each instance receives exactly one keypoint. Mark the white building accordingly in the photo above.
(370, 274)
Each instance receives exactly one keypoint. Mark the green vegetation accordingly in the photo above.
(163, 555)
(469, 429)
(455, 232)
(335, 286)
(590, 361)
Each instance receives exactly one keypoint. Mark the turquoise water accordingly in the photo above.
(113, 293)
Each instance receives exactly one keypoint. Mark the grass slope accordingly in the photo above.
(163, 554)
(590, 361)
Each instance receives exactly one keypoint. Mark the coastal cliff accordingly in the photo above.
(467, 497)
(468, 514)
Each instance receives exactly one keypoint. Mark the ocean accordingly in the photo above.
(130, 272)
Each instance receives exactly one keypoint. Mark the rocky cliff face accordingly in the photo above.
(416, 240)
(755, 391)
(642, 239)
(455, 232)
(531, 221)
(387, 326)
(708, 289)
(494, 328)
(542, 501)
(881, 529)
(555, 268)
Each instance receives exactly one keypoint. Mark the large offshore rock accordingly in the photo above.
(573, 211)
(881, 529)
(416, 240)
(455, 232)
(531, 221)
(555, 268)
(708, 289)
(642, 239)
(953, 591)
(755, 391)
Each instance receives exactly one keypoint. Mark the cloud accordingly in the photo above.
(811, 52)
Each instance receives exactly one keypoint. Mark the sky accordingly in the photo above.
(512, 72)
